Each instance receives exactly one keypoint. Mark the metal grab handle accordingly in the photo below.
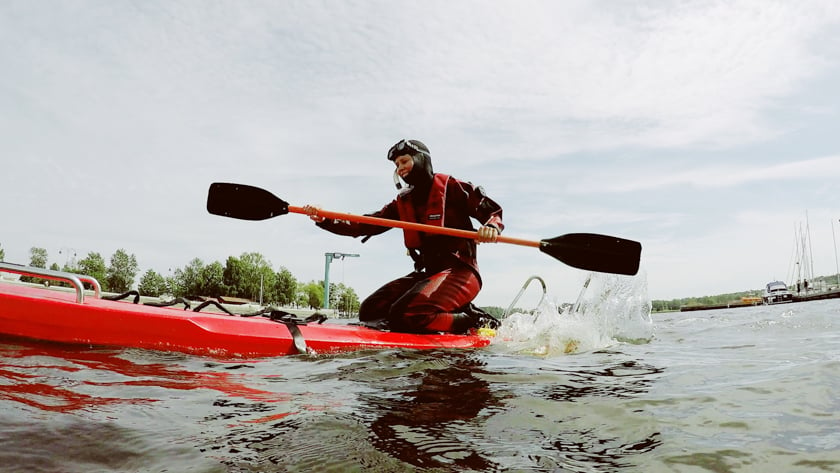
(525, 286)
(74, 279)
(576, 307)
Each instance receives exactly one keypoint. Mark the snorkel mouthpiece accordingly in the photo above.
(421, 173)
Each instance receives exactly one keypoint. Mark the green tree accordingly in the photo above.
(121, 272)
(211, 280)
(2, 253)
(71, 266)
(312, 295)
(38, 257)
(247, 275)
(234, 273)
(346, 301)
(152, 284)
(171, 285)
(335, 293)
(93, 265)
(269, 286)
(187, 281)
(285, 287)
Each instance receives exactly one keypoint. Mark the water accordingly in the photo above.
(607, 388)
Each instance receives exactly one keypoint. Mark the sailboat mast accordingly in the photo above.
(810, 247)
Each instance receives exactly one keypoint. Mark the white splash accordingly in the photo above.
(610, 309)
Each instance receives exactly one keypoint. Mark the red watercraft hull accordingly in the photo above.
(51, 315)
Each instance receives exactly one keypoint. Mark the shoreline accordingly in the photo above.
(822, 295)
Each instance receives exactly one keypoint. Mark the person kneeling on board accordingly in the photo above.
(437, 296)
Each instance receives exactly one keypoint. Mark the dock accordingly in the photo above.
(725, 305)
(817, 296)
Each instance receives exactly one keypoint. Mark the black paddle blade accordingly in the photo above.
(602, 253)
(244, 202)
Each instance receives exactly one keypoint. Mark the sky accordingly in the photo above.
(706, 130)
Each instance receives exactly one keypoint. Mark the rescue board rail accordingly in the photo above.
(74, 279)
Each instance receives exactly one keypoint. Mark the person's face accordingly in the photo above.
(404, 164)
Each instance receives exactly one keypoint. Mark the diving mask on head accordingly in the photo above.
(410, 147)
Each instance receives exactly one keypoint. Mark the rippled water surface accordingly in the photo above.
(606, 388)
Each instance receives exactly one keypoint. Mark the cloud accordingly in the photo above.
(715, 175)
(652, 120)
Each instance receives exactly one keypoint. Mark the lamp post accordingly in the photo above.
(329, 257)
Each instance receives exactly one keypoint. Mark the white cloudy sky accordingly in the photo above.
(704, 129)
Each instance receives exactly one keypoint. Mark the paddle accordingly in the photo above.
(590, 251)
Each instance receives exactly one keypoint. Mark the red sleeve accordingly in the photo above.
(354, 229)
(481, 207)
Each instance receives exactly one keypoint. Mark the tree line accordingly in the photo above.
(249, 276)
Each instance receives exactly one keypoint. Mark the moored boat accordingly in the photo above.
(777, 292)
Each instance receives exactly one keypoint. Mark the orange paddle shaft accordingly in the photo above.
(384, 222)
